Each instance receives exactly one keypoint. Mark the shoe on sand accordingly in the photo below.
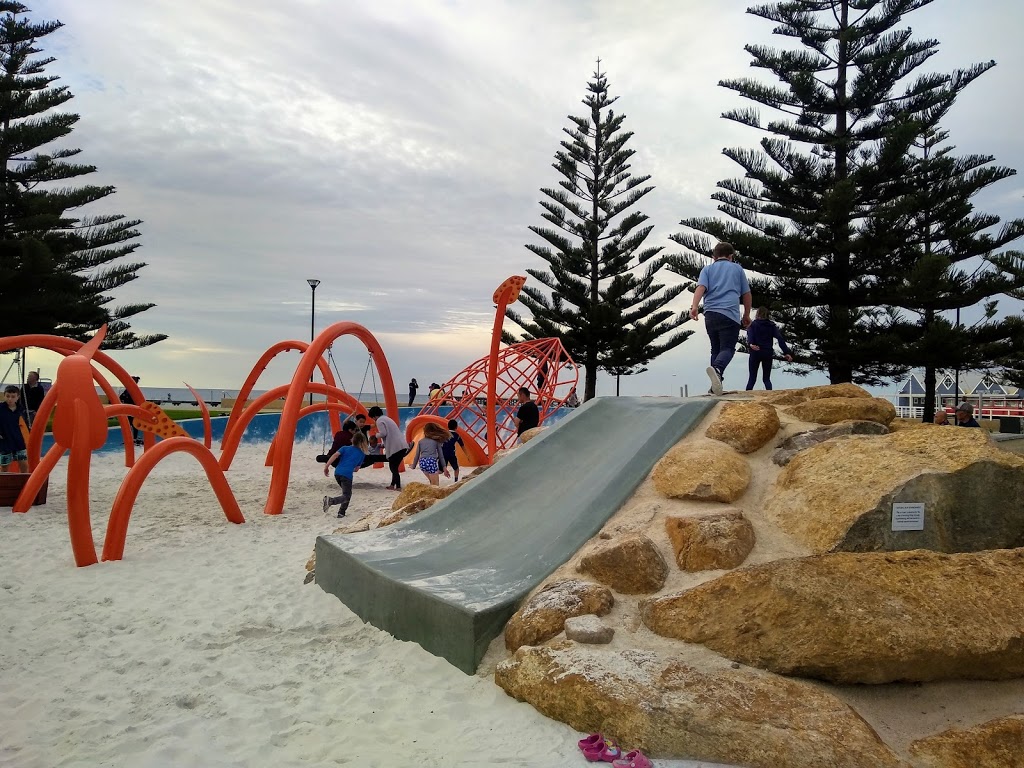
(327, 504)
(633, 759)
(341, 515)
(716, 380)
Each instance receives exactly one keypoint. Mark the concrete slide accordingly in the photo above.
(450, 577)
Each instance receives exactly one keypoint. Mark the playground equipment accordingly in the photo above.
(484, 395)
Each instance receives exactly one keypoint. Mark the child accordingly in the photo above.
(342, 438)
(430, 452)
(349, 458)
(12, 441)
(448, 449)
(760, 336)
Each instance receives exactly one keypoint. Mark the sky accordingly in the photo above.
(395, 149)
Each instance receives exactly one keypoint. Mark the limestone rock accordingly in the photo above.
(800, 442)
(310, 577)
(829, 410)
(860, 618)
(413, 508)
(630, 565)
(670, 710)
(588, 629)
(838, 496)
(708, 471)
(995, 744)
(708, 542)
(794, 396)
(529, 434)
(543, 616)
(746, 426)
(416, 491)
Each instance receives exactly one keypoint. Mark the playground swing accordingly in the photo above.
(337, 374)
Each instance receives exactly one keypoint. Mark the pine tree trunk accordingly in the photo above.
(840, 369)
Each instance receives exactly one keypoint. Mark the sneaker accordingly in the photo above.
(341, 515)
(716, 379)
(138, 442)
(327, 504)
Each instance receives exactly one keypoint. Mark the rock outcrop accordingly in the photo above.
(995, 744)
(861, 618)
(543, 616)
(529, 434)
(708, 471)
(630, 564)
(829, 410)
(588, 629)
(413, 508)
(745, 426)
(414, 492)
(794, 396)
(667, 708)
(791, 446)
(709, 542)
(838, 496)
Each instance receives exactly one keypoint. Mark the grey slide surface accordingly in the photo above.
(450, 577)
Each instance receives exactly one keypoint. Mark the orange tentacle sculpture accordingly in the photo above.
(293, 402)
(117, 525)
(505, 294)
(207, 426)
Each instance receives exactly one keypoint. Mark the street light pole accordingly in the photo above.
(312, 323)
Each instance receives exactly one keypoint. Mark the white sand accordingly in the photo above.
(204, 648)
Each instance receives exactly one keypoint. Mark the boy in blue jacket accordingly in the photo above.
(12, 441)
(761, 336)
(349, 458)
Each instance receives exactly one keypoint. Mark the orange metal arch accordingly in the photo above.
(293, 402)
(257, 371)
(35, 481)
(207, 426)
(231, 442)
(117, 525)
(353, 409)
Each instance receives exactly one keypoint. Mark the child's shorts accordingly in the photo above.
(429, 465)
(10, 458)
(453, 461)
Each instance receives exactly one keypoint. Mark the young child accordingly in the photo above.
(12, 441)
(448, 449)
(349, 458)
(342, 438)
(430, 452)
(761, 335)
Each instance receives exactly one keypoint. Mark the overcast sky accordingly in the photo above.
(395, 149)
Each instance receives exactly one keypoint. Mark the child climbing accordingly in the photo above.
(429, 455)
(349, 458)
(448, 449)
(761, 335)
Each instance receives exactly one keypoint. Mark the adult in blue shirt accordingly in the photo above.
(965, 416)
(723, 286)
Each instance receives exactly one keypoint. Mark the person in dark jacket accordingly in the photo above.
(965, 416)
(761, 337)
(126, 398)
(32, 396)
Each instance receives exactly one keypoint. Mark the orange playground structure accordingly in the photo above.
(487, 388)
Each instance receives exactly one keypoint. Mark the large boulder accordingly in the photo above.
(529, 434)
(410, 509)
(829, 410)
(671, 710)
(794, 396)
(791, 446)
(709, 471)
(544, 615)
(746, 426)
(861, 618)
(414, 492)
(995, 744)
(630, 564)
(708, 542)
(838, 496)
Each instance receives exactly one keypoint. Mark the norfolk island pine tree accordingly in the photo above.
(836, 157)
(56, 270)
(602, 298)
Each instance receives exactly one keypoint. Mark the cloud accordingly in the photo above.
(395, 151)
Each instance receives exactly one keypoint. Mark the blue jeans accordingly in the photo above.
(724, 333)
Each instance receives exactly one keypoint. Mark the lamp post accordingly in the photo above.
(313, 283)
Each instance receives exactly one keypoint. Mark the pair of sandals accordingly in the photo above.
(596, 748)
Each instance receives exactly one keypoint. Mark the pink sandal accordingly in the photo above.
(633, 759)
(591, 741)
(605, 750)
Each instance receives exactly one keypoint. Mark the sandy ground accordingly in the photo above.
(204, 648)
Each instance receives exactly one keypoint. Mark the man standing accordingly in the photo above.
(413, 386)
(32, 396)
(528, 415)
(723, 286)
(965, 416)
(126, 398)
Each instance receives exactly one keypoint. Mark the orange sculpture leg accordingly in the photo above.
(35, 482)
(117, 525)
(79, 526)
